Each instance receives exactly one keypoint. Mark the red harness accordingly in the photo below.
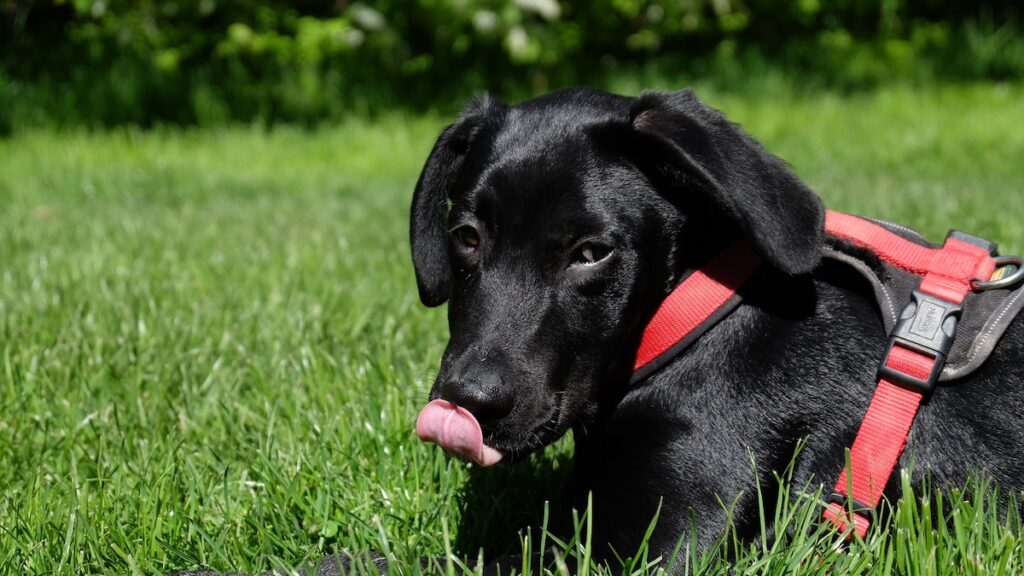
(917, 349)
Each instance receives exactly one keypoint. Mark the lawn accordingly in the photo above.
(212, 352)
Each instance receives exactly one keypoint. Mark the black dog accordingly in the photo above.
(555, 228)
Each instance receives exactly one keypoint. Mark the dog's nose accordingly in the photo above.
(482, 394)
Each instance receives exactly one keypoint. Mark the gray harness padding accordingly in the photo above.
(985, 317)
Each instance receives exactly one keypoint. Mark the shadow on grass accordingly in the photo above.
(501, 502)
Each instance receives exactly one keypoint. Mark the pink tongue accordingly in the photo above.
(455, 430)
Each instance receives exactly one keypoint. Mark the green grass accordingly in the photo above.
(212, 353)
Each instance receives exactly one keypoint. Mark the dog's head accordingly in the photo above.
(554, 229)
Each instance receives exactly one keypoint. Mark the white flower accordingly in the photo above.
(485, 21)
(353, 37)
(517, 40)
(367, 18)
(548, 9)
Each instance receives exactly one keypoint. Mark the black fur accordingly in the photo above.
(664, 181)
(540, 345)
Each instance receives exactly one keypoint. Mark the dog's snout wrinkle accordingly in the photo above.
(481, 393)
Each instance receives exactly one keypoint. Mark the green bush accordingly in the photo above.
(209, 61)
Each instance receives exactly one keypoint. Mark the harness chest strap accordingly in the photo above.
(913, 361)
(917, 351)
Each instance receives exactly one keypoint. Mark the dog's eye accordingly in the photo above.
(590, 253)
(467, 236)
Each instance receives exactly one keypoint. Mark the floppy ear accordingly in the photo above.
(695, 145)
(428, 215)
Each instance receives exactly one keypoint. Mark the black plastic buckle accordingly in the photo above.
(927, 325)
(850, 504)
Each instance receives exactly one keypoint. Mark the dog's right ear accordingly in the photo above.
(694, 146)
(429, 212)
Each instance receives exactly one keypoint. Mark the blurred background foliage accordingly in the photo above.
(108, 62)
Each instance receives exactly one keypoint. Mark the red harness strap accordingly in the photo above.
(948, 272)
(911, 366)
(917, 351)
(698, 302)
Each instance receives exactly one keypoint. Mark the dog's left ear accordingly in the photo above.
(696, 145)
